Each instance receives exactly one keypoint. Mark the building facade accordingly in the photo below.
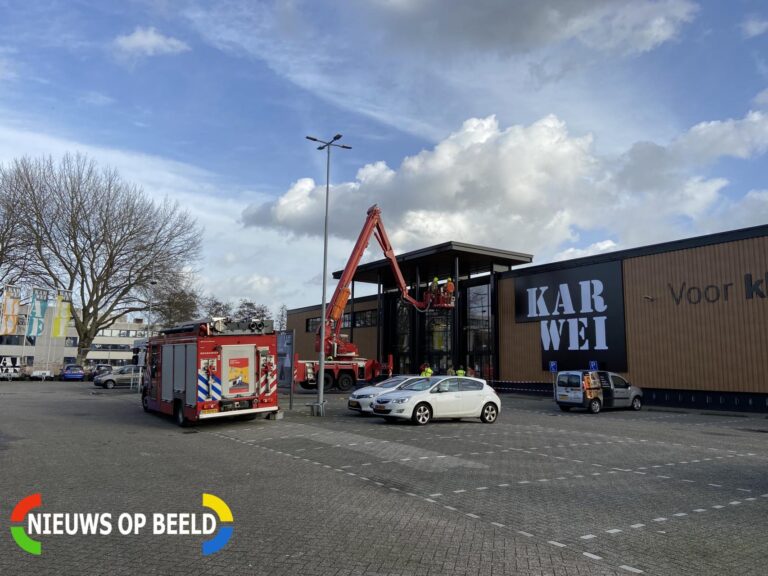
(111, 346)
(685, 320)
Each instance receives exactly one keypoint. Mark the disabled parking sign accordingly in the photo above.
(553, 366)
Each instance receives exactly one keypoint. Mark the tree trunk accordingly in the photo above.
(83, 347)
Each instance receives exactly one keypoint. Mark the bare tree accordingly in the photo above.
(282, 318)
(175, 302)
(15, 251)
(213, 307)
(248, 309)
(100, 237)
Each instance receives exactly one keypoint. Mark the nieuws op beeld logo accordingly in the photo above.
(28, 525)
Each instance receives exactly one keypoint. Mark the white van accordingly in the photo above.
(595, 390)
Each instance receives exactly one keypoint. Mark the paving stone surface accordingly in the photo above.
(540, 492)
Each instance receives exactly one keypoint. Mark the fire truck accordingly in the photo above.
(344, 366)
(212, 369)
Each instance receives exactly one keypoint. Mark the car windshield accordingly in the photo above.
(420, 384)
(391, 382)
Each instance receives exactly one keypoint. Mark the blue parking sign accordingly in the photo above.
(593, 365)
(553, 366)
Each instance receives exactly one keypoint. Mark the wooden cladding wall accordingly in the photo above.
(697, 319)
(304, 344)
(519, 344)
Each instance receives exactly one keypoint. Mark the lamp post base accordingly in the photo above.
(317, 408)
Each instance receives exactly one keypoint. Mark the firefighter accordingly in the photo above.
(449, 288)
(461, 371)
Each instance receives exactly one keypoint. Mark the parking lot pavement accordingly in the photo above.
(539, 492)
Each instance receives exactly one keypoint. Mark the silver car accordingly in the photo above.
(595, 390)
(129, 375)
(361, 400)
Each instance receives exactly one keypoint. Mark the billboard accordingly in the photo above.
(580, 312)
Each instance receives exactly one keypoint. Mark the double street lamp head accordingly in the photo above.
(324, 144)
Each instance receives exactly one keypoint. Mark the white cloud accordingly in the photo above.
(761, 99)
(147, 42)
(628, 26)
(738, 138)
(754, 26)
(95, 99)
(423, 69)
(592, 249)
(7, 70)
(532, 189)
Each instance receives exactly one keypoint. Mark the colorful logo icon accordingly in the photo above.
(225, 532)
(19, 534)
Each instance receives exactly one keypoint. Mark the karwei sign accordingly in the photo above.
(580, 312)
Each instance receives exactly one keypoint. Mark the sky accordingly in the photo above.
(557, 128)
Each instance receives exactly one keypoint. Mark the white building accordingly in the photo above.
(111, 346)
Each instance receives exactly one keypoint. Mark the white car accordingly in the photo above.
(361, 400)
(440, 397)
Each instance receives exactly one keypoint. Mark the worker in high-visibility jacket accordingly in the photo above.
(461, 371)
(427, 372)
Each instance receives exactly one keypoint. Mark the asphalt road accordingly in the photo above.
(539, 492)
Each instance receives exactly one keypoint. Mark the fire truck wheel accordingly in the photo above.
(178, 415)
(329, 381)
(145, 402)
(346, 382)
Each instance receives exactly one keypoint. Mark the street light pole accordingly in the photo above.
(321, 377)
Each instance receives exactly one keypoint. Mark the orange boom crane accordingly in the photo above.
(345, 366)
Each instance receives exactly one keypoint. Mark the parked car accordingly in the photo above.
(72, 372)
(440, 397)
(98, 369)
(595, 390)
(122, 376)
(361, 400)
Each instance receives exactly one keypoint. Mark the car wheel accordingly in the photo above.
(422, 414)
(637, 403)
(145, 402)
(178, 415)
(109, 384)
(346, 382)
(594, 406)
(490, 413)
(565, 408)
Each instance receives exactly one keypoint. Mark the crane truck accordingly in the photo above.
(344, 367)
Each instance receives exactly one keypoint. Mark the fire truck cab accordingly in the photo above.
(211, 369)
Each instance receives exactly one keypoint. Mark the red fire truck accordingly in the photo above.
(212, 369)
(344, 366)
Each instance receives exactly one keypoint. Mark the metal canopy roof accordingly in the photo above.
(438, 261)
